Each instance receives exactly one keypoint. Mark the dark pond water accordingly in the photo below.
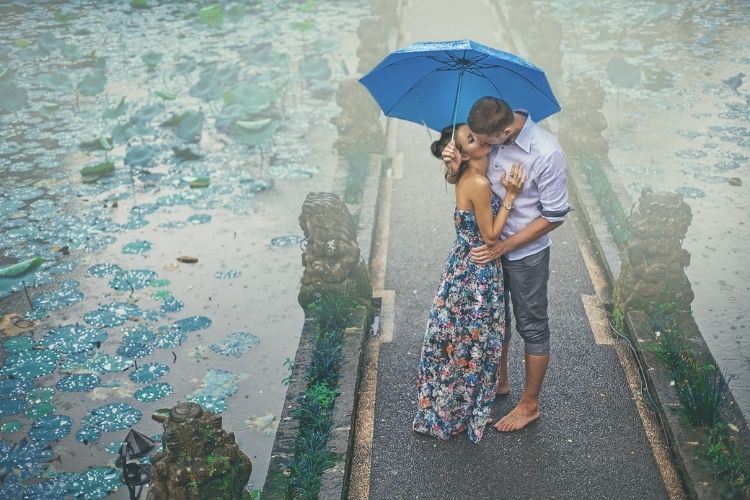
(200, 129)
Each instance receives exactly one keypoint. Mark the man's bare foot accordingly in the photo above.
(503, 389)
(520, 417)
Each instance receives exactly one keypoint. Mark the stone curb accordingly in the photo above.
(680, 436)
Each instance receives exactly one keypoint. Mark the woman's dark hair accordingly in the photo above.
(438, 146)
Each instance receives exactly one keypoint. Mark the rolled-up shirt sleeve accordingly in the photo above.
(553, 188)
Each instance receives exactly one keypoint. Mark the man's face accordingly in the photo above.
(493, 139)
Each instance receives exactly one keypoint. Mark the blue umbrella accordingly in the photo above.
(436, 83)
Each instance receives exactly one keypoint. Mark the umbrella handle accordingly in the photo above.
(455, 102)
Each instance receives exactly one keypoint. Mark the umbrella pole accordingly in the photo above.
(455, 102)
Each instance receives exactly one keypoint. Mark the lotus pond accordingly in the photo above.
(154, 157)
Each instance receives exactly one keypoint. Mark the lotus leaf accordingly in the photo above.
(235, 12)
(190, 126)
(98, 144)
(236, 344)
(78, 383)
(136, 247)
(253, 98)
(147, 113)
(71, 52)
(22, 43)
(92, 83)
(96, 482)
(135, 279)
(109, 315)
(191, 324)
(211, 15)
(139, 4)
(148, 373)
(65, 296)
(102, 270)
(171, 305)
(21, 268)
(18, 344)
(120, 109)
(165, 95)
(135, 351)
(186, 154)
(88, 435)
(30, 364)
(49, 42)
(228, 275)
(11, 426)
(73, 338)
(39, 410)
(12, 98)
(14, 387)
(51, 428)
(28, 457)
(199, 219)
(152, 59)
(92, 173)
(112, 417)
(56, 82)
(10, 407)
(622, 73)
(140, 156)
(185, 65)
(153, 392)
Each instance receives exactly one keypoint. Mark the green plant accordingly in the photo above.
(326, 359)
(359, 166)
(725, 462)
(670, 347)
(333, 307)
(702, 389)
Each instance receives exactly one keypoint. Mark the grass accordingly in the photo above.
(725, 462)
(702, 389)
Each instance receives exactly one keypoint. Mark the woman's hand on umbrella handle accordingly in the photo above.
(451, 158)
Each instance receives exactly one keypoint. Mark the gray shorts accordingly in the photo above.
(526, 284)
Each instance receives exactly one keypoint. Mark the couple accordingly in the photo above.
(510, 183)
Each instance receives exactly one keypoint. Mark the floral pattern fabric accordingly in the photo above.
(463, 342)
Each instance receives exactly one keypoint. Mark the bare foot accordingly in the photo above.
(503, 389)
(520, 417)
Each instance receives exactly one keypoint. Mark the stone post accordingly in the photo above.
(200, 460)
(653, 268)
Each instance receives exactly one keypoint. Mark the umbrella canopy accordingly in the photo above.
(436, 83)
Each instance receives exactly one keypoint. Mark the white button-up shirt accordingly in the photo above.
(544, 194)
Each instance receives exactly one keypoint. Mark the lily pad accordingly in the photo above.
(37, 411)
(14, 387)
(21, 268)
(51, 428)
(78, 383)
(217, 385)
(140, 156)
(10, 407)
(113, 314)
(236, 344)
(199, 219)
(73, 338)
(102, 270)
(212, 15)
(152, 59)
(690, 192)
(58, 82)
(18, 344)
(112, 417)
(136, 247)
(135, 279)
(153, 392)
(98, 363)
(191, 324)
(88, 435)
(92, 83)
(12, 98)
(148, 373)
(97, 482)
(119, 110)
(28, 457)
(622, 73)
(40, 395)
(11, 426)
(284, 241)
(228, 275)
(30, 364)
(171, 305)
(68, 294)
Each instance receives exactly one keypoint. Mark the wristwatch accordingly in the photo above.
(508, 206)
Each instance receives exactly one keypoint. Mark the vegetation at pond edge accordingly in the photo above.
(332, 312)
(606, 198)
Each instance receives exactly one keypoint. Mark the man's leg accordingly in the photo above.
(527, 282)
(503, 385)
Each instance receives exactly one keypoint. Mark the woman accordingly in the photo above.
(463, 342)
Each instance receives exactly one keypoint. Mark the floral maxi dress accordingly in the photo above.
(463, 342)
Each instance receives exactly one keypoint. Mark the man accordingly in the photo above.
(524, 248)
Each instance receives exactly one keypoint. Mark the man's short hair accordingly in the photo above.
(489, 115)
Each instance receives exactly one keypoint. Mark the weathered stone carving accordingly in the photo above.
(652, 272)
(583, 122)
(331, 255)
(200, 459)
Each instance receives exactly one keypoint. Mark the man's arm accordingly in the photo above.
(535, 230)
